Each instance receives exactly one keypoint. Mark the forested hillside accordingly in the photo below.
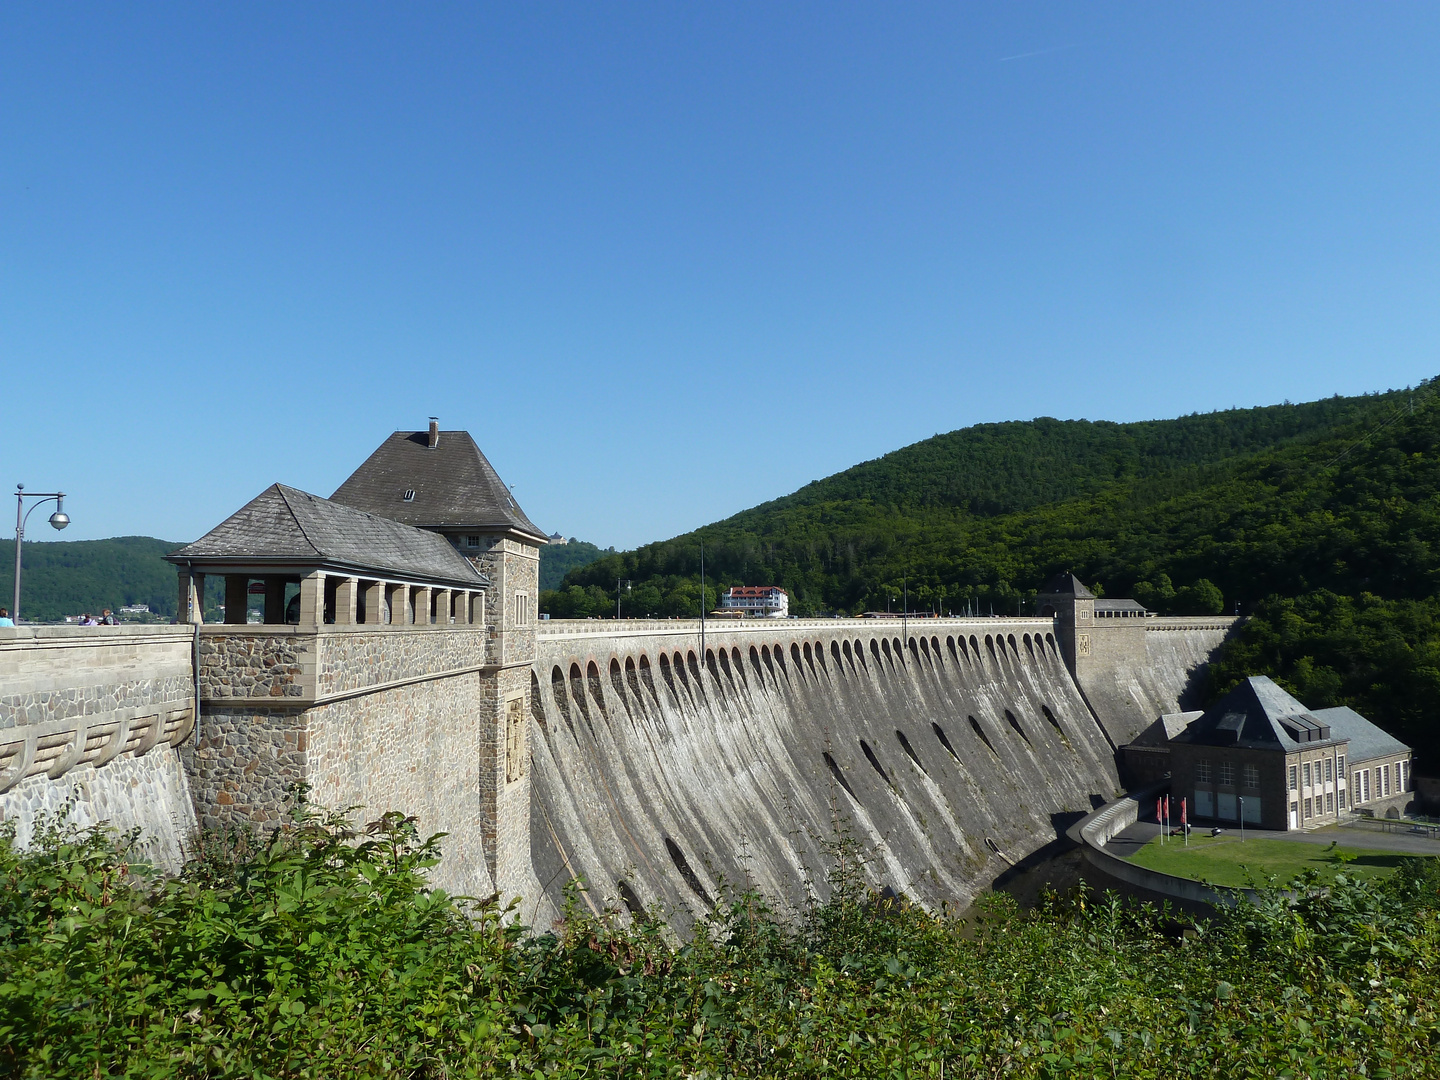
(557, 560)
(67, 577)
(1323, 520)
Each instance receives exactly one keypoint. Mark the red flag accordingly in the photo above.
(1167, 807)
(1159, 817)
(1182, 811)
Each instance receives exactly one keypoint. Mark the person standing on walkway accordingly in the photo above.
(5, 619)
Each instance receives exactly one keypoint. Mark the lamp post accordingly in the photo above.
(1241, 800)
(59, 519)
(617, 594)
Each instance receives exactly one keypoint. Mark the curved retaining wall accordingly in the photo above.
(1096, 830)
(662, 778)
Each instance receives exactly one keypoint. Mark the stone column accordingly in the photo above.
(477, 609)
(189, 608)
(442, 607)
(312, 600)
(274, 600)
(345, 598)
(237, 598)
(399, 605)
(422, 605)
(374, 603)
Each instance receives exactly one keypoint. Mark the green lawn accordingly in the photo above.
(1224, 860)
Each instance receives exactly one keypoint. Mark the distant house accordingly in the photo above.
(1260, 754)
(135, 609)
(768, 601)
(556, 538)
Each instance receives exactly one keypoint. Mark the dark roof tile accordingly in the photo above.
(287, 524)
(454, 486)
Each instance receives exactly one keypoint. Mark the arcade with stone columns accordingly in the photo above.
(390, 669)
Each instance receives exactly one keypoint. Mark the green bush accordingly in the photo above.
(318, 952)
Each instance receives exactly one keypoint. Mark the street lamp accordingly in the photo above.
(59, 519)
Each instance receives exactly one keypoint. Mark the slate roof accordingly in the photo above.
(1258, 715)
(1366, 740)
(1119, 605)
(1066, 584)
(285, 525)
(454, 485)
(1163, 731)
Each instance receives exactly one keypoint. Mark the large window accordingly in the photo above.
(1329, 802)
(1202, 772)
(1340, 768)
(1307, 777)
(522, 609)
(1365, 777)
(1309, 804)
(1294, 777)
(1227, 774)
(1386, 771)
(1252, 776)
(1329, 766)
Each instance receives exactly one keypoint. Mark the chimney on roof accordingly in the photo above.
(434, 433)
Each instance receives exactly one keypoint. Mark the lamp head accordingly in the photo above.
(59, 519)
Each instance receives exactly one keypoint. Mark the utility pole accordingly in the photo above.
(617, 594)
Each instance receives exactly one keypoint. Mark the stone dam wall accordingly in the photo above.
(949, 748)
(91, 722)
(620, 753)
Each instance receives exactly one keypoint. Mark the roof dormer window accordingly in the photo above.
(409, 495)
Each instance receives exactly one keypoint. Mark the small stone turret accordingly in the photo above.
(1066, 598)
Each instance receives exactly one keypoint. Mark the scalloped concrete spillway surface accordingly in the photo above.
(663, 778)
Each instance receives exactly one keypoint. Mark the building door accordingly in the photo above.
(1204, 804)
(1227, 808)
(1252, 811)
(1294, 815)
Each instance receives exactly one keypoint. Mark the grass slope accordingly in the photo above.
(1227, 860)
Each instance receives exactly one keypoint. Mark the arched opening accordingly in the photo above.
(592, 676)
(838, 775)
(1014, 723)
(875, 762)
(562, 702)
(631, 901)
(648, 677)
(905, 745)
(1051, 717)
(537, 708)
(975, 725)
(945, 742)
(687, 874)
(615, 679)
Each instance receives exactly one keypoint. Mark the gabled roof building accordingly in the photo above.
(1261, 755)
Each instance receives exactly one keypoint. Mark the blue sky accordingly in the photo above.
(668, 261)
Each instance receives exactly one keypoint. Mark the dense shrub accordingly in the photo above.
(318, 953)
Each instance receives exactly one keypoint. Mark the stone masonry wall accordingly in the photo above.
(353, 659)
(88, 719)
(415, 749)
(271, 664)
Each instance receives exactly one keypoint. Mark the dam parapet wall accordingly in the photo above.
(91, 719)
